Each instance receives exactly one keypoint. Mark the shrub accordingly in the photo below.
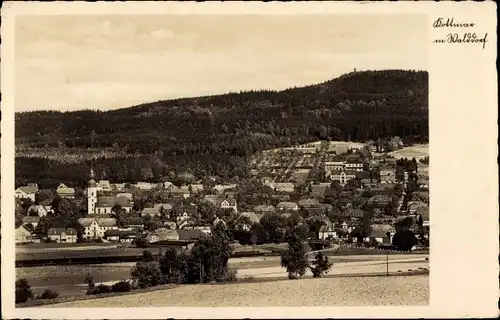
(102, 288)
(147, 274)
(49, 294)
(141, 243)
(320, 265)
(89, 280)
(23, 291)
(122, 286)
(230, 276)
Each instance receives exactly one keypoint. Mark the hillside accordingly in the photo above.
(214, 135)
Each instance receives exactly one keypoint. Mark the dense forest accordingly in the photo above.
(215, 135)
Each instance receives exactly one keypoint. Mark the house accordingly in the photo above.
(162, 235)
(342, 176)
(211, 198)
(127, 195)
(315, 210)
(353, 213)
(281, 197)
(33, 220)
(134, 222)
(152, 212)
(187, 235)
(37, 210)
(105, 185)
(26, 192)
(283, 187)
(180, 192)
(387, 175)
(346, 227)
(221, 188)
(105, 204)
(307, 202)
(379, 233)
(414, 205)
(94, 228)
(62, 235)
(287, 206)
(22, 235)
(165, 208)
(424, 213)
(196, 188)
(65, 192)
(250, 217)
(351, 165)
(120, 235)
(143, 185)
(264, 208)
(378, 201)
(227, 203)
(186, 212)
(118, 186)
(205, 229)
(318, 190)
(327, 232)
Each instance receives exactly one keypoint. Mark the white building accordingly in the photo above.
(95, 228)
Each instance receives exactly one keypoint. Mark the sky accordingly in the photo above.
(107, 62)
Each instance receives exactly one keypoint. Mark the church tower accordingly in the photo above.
(92, 193)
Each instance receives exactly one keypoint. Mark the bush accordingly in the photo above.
(321, 265)
(147, 274)
(230, 276)
(100, 289)
(122, 286)
(147, 256)
(141, 243)
(23, 291)
(49, 294)
(89, 280)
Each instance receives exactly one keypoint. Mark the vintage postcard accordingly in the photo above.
(249, 160)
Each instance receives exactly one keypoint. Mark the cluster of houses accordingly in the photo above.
(104, 197)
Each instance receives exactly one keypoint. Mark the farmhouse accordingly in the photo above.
(62, 235)
(289, 206)
(22, 235)
(162, 235)
(264, 208)
(227, 203)
(152, 212)
(31, 220)
(65, 192)
(95, 228)
(26, 192)
(327, 232)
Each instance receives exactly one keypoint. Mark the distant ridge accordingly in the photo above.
(215, 134)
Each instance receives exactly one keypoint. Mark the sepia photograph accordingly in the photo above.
(222, 160)
(240, 152)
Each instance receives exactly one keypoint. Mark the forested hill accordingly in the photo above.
(213, 135)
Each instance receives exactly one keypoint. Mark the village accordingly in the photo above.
(343, 192)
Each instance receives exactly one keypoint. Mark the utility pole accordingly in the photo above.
(387, 262)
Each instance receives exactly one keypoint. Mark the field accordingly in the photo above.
(295, 163)
(341, 291)
(418, 152)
